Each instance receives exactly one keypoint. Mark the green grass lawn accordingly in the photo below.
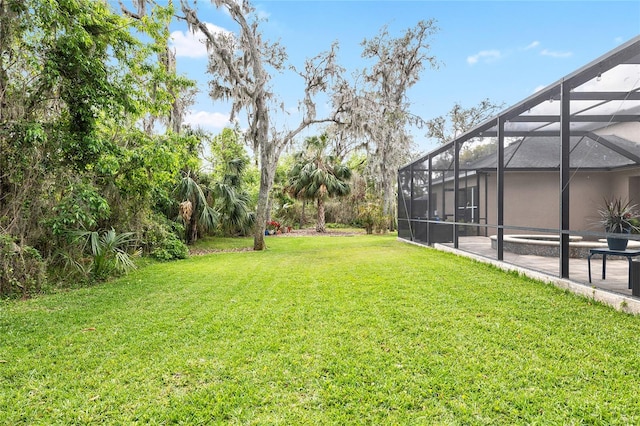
(324, 330)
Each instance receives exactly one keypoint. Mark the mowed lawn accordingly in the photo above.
(319, 330)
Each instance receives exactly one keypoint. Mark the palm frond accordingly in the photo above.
(208, 218)
(236, 166)
(94, 240)
(123, 261)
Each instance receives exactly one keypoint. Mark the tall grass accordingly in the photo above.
(324, 330)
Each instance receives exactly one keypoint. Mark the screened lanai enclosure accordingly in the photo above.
(527, 184)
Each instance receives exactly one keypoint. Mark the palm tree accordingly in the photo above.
(318, 176)
(195, 209)
(232, 202)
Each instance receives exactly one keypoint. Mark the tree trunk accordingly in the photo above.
(4, 42)
(191, 230)
(269, 209)
(320, 226)
(389, 198)
(303, 220)
(269, 161)
(393, 213)
(261, 217)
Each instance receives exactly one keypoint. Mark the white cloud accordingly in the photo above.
(555, 54)
(485, 55)
(192, 45)
(538, 88)
(532, 45)
(207, 120)
(262, 14)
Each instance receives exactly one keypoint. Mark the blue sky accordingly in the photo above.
(501, 50)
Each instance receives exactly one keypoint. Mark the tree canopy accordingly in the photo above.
(94, 141)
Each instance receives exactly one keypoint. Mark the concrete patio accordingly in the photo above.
(613, 291)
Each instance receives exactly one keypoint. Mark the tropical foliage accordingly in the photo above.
(233, 202)
(109, 253)
(195, 204)
(235, 183)
(239, 62)
(318, 176)
(93, 135)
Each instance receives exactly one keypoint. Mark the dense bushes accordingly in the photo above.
(22, 270)
(371, 218)
(160, 239)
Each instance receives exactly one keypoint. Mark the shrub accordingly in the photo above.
(109, 253)
(160, 240)
(22, 270)
(341, 211)
(371, 217)
(171, 249)
(81, 207)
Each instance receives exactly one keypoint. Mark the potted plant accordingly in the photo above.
(617, 216)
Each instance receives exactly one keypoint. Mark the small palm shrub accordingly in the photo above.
(109, 253)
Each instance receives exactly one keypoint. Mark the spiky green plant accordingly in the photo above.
(110, 253)
(617, 215)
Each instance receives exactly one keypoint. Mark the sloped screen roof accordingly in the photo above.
(602, 94)
(543, 152)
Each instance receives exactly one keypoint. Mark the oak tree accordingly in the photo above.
(240, 65)
(382, 114)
